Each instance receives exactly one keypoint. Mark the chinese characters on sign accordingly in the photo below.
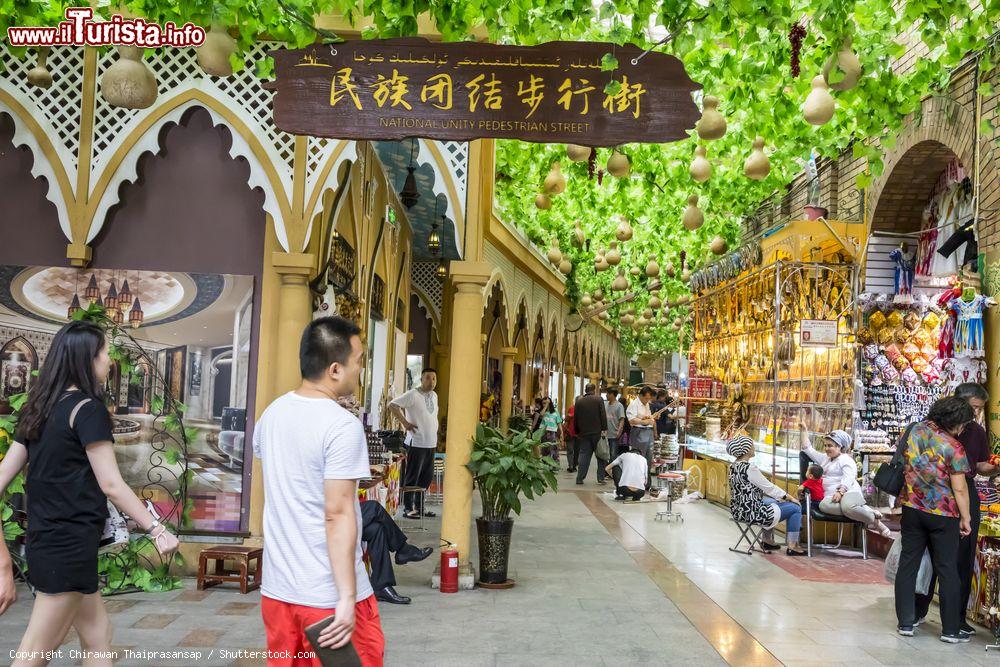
(398, 88)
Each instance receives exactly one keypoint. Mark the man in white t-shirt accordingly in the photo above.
(313, 452)
(417, 411)
(631, 475)
(640, 438)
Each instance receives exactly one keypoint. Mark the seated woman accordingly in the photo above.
(841, 492)
(754, 499)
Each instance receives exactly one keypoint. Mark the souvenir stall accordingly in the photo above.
(772, 355)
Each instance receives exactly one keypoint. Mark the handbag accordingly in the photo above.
(891, 476)
(115, 535)
(603, 449)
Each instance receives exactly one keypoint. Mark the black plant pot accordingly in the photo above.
(494, 549)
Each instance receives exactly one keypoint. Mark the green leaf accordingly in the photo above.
(613, 88)
(608, 64)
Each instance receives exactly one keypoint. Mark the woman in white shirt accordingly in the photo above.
(841, 492)
(754, 499)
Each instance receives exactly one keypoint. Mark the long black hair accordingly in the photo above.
(70, 362)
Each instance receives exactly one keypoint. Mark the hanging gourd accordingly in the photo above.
(577, 153)
(640, 323)
(718, 245)
(586, 300)
(213, 54)
(630, 311)
(701, 168)
(652, 268)
(579, 238)
(600, 263)
(618, 165)
(665, 310)
(683, 298)
(678, 322)
(669, 270)
(693, 217)
(620, 283)
(819, 105)
(685, 276)
(624, 231)
(555, 182)
(712, 124)
(565, 267)
(598, 294)
(846, 63)
(648, 313)
(555, 255)
(542, 202)
(627, 319)
(129, 83)
(613, 256)
(634, 271)
(757, 166)
(655, 302)
(39, 75)
(605, 315)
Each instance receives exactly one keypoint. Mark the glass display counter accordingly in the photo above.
(780, 462)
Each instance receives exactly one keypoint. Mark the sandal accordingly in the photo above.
(791, 552)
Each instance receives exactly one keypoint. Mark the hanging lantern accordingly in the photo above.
(410, 195)
(117, 316)
(712, 124)
(74, 307)
(693, 217)
(442, 269)
(434, 240)
(39, 75)
(555, 255)
(136, 316)
(124, 296)
(213, 54)
(92, 293)
(129, 83)
(618, 165)
(819, 105)
(757, 166)
(652, 268)
(111, 300)
(624, 231)
(701, 168)
(613, 256)
(555, 182)
(577, 153)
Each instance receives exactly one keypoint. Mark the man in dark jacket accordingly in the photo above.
(591, 422)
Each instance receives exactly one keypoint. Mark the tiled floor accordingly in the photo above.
(598, 583)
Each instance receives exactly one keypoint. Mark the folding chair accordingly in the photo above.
(752, 534)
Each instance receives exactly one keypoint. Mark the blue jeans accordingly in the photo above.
(791, 514)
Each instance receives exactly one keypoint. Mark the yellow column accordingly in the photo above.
(566, 389)
(595, 379)
(464, 383)
(294, 313)
(506, 384)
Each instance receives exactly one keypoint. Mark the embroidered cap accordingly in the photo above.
(740, 446)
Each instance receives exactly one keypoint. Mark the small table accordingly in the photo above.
(665, 482)
(242, 574)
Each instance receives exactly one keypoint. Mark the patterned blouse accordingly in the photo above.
(746, 499)
(932, 456)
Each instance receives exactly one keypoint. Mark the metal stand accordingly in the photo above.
(665, 482)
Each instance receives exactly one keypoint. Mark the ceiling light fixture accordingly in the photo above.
(409, 194)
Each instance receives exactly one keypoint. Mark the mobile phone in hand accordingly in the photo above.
(345, 656)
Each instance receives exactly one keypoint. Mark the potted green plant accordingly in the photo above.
(504, 467)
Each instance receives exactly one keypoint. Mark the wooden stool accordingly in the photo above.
(241, 575)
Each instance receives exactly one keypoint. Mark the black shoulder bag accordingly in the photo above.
(890, 477)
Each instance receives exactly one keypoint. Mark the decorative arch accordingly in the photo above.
(46, 161)
(143, 136)
(327, 181)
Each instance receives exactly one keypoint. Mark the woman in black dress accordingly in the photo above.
(64, 432)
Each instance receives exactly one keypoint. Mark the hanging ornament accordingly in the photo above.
(613, 256)
(718, 245)
(795, 37)
(655, 302)
(586, 300)
(712, 124)
(129, 83)
(605, 315)
(618, 165)
(39, 75)
(819, 105)
(599, 294)
(701, 168)
(652, 268)
(757, 166)
(620, 283)
(600, 263)
(213, 54)
(669, 270)
(578, 153)
(648, 313)
(847, 64)
(565, 267)
(693, 217)
(555, 182)
(678, 322)
(543, 202)
(627, 319)
(579, 238)
(634, 271)
(555, 255)
(624, 231)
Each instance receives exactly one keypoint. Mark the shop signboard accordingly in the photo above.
(589, 93)
(819, 333)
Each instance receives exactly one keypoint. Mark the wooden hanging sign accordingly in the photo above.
(457, 91)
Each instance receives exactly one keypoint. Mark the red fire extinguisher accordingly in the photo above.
(449, 569)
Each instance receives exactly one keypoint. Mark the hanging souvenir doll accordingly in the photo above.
(903, 279)
(928, 240)
(968, 311)
(947, 339)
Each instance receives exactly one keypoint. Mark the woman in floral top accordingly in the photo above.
(935, 502)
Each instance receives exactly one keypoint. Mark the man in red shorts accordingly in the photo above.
(313, 453)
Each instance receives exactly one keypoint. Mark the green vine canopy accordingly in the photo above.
(757, 57)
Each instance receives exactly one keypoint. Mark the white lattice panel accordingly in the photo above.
(56, 108)
(456, 154)
(424, 277)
